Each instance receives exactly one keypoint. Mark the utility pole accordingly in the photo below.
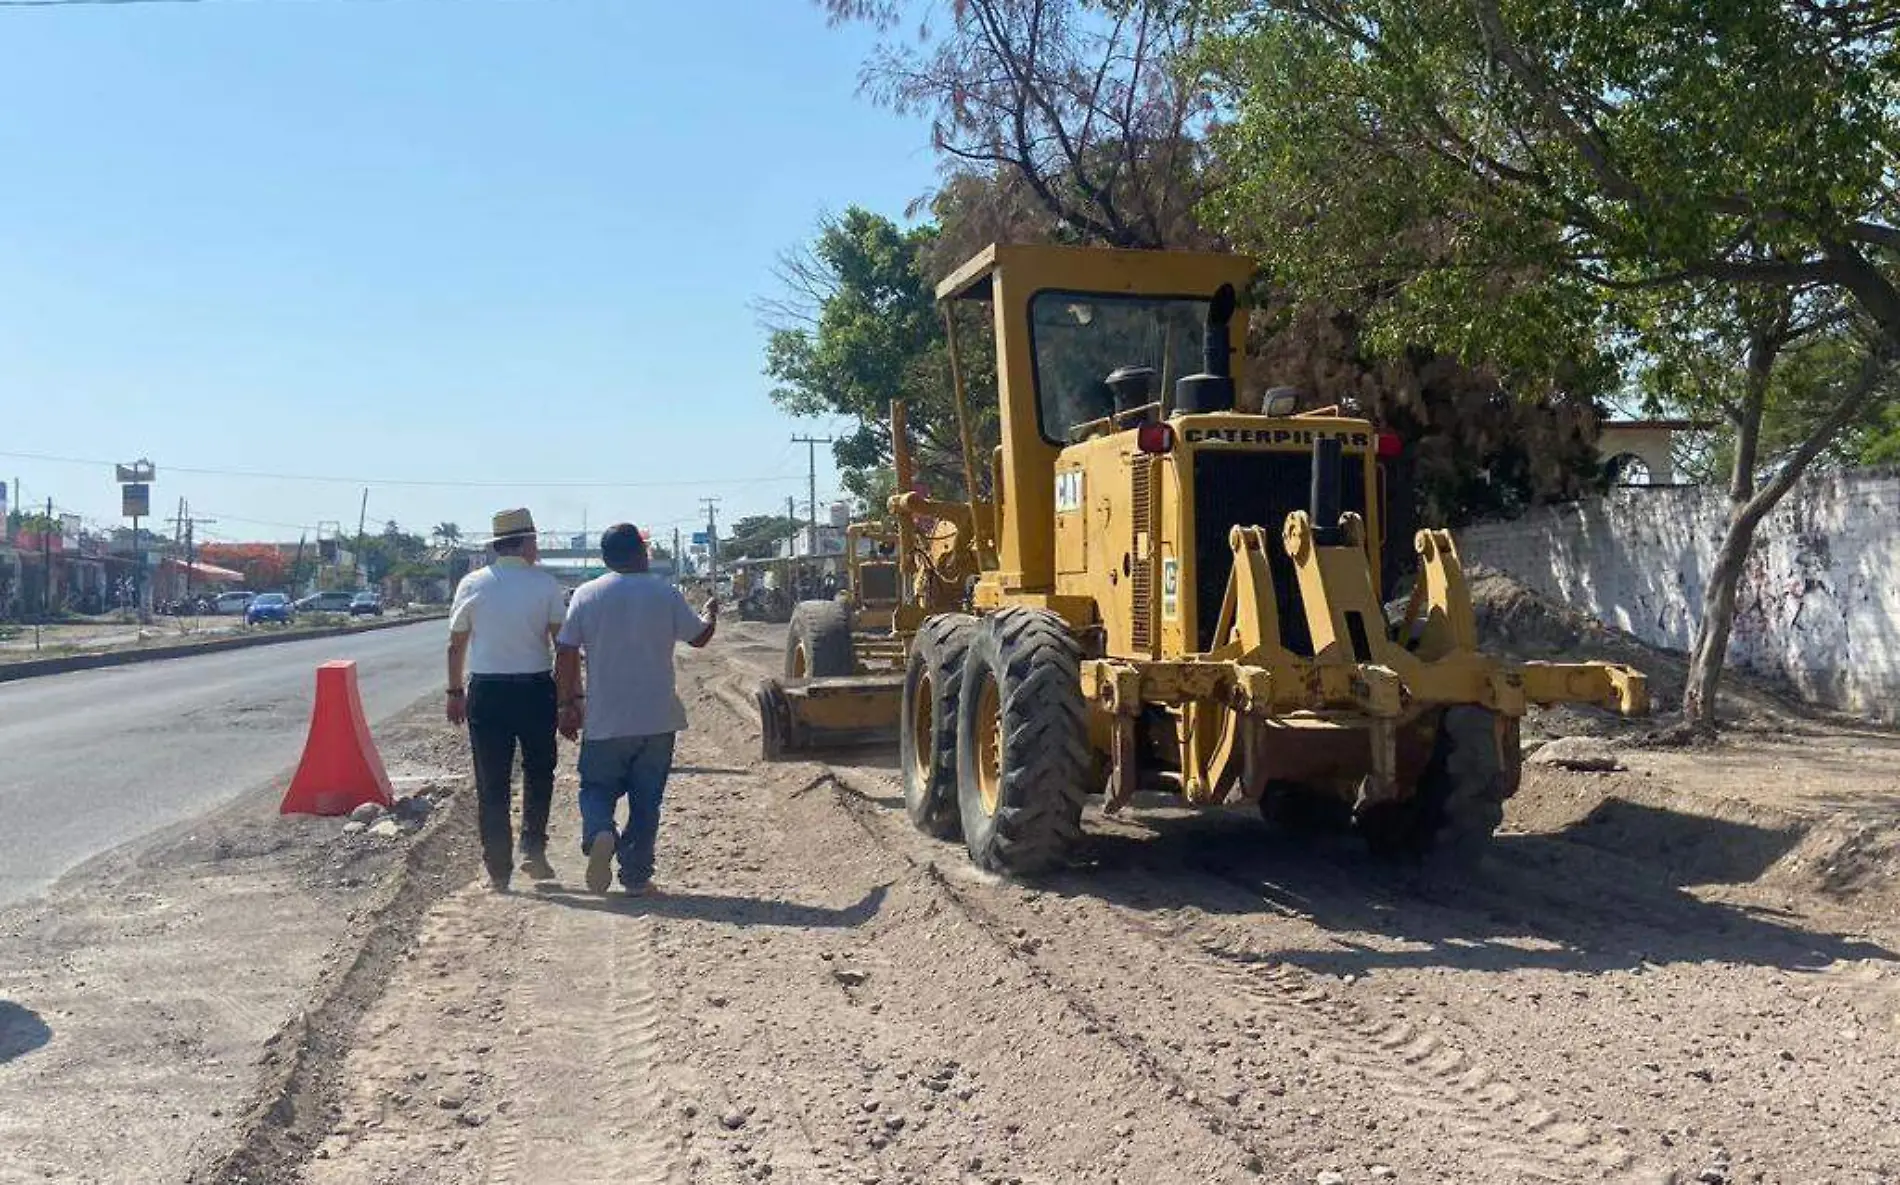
(184, 525)
(46, 571)
(811, 444)
(679, 562)
(712, 538)
(791, 513)
(297, 564)
(356, 560)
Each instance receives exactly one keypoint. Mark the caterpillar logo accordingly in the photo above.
(1272, 436)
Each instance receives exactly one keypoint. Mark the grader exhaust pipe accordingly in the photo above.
(1325, 499)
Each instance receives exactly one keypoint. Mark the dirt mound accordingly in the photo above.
(1517, 622)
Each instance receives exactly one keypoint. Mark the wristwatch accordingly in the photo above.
(455, 693)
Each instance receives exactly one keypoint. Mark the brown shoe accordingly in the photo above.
(535, 864)
(600, 862)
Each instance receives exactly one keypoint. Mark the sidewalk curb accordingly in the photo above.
(35, 667)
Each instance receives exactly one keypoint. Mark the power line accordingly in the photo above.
(250, 474)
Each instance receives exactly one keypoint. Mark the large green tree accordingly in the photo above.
(758, 536)
(1517, 180)
(854, 326)
(1086, 121)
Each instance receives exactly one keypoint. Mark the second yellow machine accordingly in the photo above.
(1161, 593)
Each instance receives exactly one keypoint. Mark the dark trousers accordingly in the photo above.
(505, 710)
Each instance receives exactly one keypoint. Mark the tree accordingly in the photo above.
(381, 555)
(446, 534)
(757, 536)
(1528, 177)
(855, 326)
(264, 565)
(1092, 108)
(1083, 121)
(1777, 365)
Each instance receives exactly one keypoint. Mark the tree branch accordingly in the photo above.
(1589, 146)
(1875, 371)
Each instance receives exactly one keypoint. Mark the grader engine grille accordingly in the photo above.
(1141, 576)
(1257, 489)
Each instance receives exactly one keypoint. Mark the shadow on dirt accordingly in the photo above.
(727, 910)
(1564, 901)
(21, 1031)
(1684, 849)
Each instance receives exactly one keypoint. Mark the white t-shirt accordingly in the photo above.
(508, 607)
(626, 624)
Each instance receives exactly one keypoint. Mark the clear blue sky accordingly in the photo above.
(434, 240)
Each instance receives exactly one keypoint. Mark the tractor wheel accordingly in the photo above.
(927, 743)
(775, 725)
(1464, 788)
(1022, 743)
(819, 641)
(1460, 799)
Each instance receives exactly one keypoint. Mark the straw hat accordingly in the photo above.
(510, 523)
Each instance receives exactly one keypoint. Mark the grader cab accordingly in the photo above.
(1162, 593)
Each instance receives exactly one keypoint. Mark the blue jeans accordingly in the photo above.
(636, 767)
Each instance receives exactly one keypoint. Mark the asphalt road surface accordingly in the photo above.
(91, 759)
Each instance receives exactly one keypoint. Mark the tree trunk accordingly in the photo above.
(1718, 619)
(1718, 600)
(1748, 506)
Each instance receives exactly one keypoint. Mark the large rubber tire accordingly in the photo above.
(927, 736)
(1459, 804)
(1464, 789)
(818, 644)
(1022, 743)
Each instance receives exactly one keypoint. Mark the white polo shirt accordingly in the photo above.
(507, 607)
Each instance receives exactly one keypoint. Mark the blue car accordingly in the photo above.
(269, 607)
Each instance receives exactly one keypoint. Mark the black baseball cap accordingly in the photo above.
(621, 545)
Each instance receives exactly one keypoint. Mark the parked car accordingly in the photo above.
(234, 601)
(366, 604)
(269, 607)
(333, 601)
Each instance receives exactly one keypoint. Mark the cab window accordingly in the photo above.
(1081, 338)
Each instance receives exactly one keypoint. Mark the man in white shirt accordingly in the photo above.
(501, 624)
(627, 624)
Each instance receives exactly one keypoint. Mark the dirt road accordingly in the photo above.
(822, 994)
(140, 996)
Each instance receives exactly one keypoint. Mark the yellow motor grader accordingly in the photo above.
(1162, 593)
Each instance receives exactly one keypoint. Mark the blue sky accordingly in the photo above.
(507, 241)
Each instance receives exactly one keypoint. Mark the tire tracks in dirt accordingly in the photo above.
(298, 1100)
(1388, 1056)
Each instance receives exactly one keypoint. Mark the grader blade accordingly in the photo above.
(814, 715)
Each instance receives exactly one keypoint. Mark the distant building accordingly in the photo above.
(1642, 452)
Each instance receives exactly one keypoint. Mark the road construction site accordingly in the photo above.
(1679, 968)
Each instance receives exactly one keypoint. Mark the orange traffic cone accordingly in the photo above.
(340, 769)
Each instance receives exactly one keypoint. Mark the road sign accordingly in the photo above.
(699, 538)
(137, 500)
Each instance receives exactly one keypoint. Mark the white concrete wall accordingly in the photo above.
(1819, 604)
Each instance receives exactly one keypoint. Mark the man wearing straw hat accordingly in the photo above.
(501, 631)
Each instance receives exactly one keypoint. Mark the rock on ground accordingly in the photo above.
(1587, 754)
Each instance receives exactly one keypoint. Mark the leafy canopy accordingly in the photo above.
(857, 326)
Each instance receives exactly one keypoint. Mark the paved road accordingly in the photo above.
(92, 759)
